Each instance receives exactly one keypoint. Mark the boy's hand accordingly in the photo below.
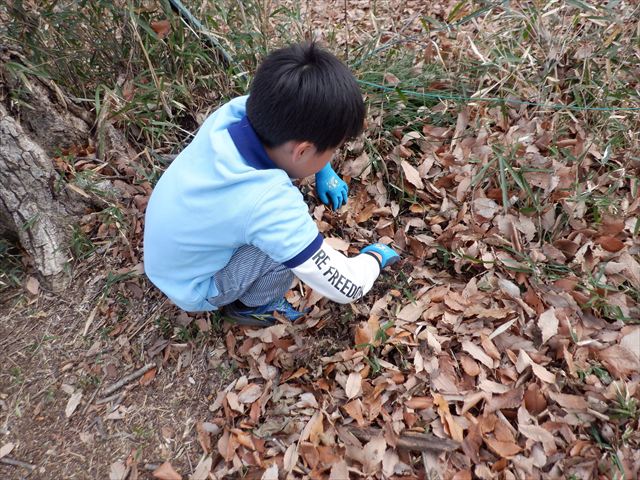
(385, 255)
(330, 188)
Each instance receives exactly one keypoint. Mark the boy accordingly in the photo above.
(226, 229)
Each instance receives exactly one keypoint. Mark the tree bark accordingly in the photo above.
(29, 204)
(36, 206)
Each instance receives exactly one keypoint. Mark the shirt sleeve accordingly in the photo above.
(281, 226)
(337, 277)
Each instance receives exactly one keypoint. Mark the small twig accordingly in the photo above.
(410, 441)
(100, 427)
(152, 315)
(199, 29)
(17, 463)
(122, 382)
(95, 392)
(110, 398)
(90, 318)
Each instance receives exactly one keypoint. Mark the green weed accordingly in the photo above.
(165, 326)
(187, 334)
(81, 245)
(113, 278)
(625, 406)
(599, 291)
(597, 370)
(88, 382)
(17, 376)
(11, 267)
(374, 349)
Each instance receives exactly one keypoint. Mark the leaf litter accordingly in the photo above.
(495, 344)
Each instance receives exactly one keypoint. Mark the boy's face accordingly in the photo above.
(300, 159)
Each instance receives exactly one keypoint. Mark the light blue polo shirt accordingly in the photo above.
(221, 192)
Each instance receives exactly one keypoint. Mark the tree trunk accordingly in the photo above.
(29, 204)
(36, 206)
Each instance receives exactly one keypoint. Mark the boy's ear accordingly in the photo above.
(302, 151)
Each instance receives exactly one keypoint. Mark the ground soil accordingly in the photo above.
(44, 353)
(46, 357)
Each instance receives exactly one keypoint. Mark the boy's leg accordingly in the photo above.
(251, 277)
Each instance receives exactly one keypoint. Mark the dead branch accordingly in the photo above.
(411, 441)
(122, 382)
(17, 463)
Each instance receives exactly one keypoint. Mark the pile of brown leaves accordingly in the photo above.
(490, 367)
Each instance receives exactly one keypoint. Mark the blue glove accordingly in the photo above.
(330, 188)
(388, 256)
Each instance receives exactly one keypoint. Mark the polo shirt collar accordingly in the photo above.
(249, 145)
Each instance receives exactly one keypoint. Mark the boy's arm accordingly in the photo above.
(342, 279)
(281, 227)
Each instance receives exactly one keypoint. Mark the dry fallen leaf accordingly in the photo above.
(313, 429)
(631, 341)
(538, 370)
(511, 399)
(548, 323)
(510, 288)
(571, 402)
(536, 433)
(462, 475)
(353, 387)
(455, 430)
(504, 449)
(250, 393)
(202, 469)
(271, 473)
(390, 461)
(161, 27)
(339, 471)
(290, 458)
(72, 404)
(354, 410)
(469, 366)
(619, 361)
(485, 207)
(118, 471)
(6, 449)
(227, 445)
(148, 377)
(373, 453)
(338, 243)
(411, 174)
(412, 311)
(166, 472)
(477, 353)
(33, 286)
(611, 244)
(203, 437)
(534, 400)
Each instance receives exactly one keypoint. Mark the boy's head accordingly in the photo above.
(304, 103)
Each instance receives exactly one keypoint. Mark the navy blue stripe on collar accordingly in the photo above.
(249, 145)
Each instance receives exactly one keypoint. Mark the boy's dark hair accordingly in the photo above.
(305, 93)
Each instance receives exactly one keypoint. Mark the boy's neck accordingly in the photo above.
(280, 156)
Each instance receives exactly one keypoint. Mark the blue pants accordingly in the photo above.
(252, 277)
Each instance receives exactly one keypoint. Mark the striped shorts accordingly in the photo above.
(252, 277)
